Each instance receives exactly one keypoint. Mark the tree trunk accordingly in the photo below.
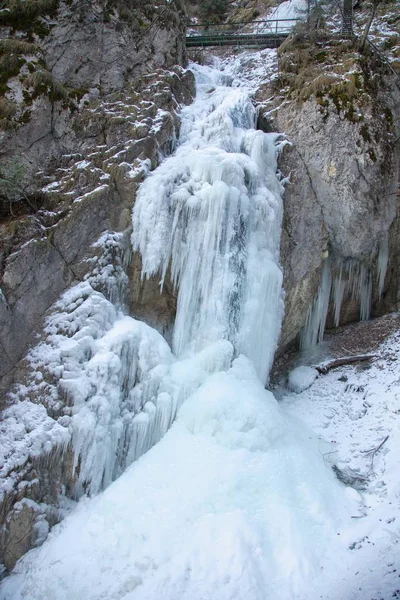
(368, 26)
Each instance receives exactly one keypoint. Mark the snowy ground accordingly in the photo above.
(357, 410)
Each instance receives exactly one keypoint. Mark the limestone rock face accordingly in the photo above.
(342, 198)
(351, 178)
(91, 49)
(85, 197)
(91, 46)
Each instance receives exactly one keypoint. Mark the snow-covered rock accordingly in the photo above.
(301, 378)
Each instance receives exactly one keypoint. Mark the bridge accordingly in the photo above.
(262, 34)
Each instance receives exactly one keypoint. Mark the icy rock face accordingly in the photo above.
(84, 236)
(85, 231)
(110, 381)
(344, 283)
(109, 389)
(213, 213)
(341, 200)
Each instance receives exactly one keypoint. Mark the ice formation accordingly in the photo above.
(120, 384)
(383, 259)
(235, 500)
(213, 213)
(314, 328)
(343, 279)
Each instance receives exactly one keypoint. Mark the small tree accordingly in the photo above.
(15, 175)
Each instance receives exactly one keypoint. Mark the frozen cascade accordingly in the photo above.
(235, 501)
(213, 212)
(118, 379)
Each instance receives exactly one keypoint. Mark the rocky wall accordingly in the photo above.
(341, 201)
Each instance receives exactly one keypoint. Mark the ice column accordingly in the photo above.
(314, 328)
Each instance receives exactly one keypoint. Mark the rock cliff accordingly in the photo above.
(94, 144)
(342, 199)
(89, 107)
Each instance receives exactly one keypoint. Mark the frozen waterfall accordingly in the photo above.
(235, 502)
(213, 213)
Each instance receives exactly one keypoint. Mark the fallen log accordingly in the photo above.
(346, 360)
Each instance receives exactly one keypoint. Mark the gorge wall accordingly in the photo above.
(82, 154)
(342, 200)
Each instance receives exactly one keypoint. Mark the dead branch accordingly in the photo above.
(346, 360)
(372, 453)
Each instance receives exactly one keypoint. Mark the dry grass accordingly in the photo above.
(249, 11)
(29, 8)
(9, 65)
(14, 46)
(42, 82)
(7, 108)
(318, 67)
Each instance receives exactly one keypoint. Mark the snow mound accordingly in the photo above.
(231, 503)
(301, 378)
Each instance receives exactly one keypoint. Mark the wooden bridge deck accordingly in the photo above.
(265, 34)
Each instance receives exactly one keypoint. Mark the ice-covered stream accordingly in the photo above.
(235, 501)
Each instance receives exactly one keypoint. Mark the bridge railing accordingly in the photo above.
(270, 26)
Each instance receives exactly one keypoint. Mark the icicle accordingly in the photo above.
(365, 293)
(383, 257)
(339, 286)
(314, 328)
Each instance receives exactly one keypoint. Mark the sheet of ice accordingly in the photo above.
(213, 214)
(301, 378)
(234, 502)
(284, 17)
